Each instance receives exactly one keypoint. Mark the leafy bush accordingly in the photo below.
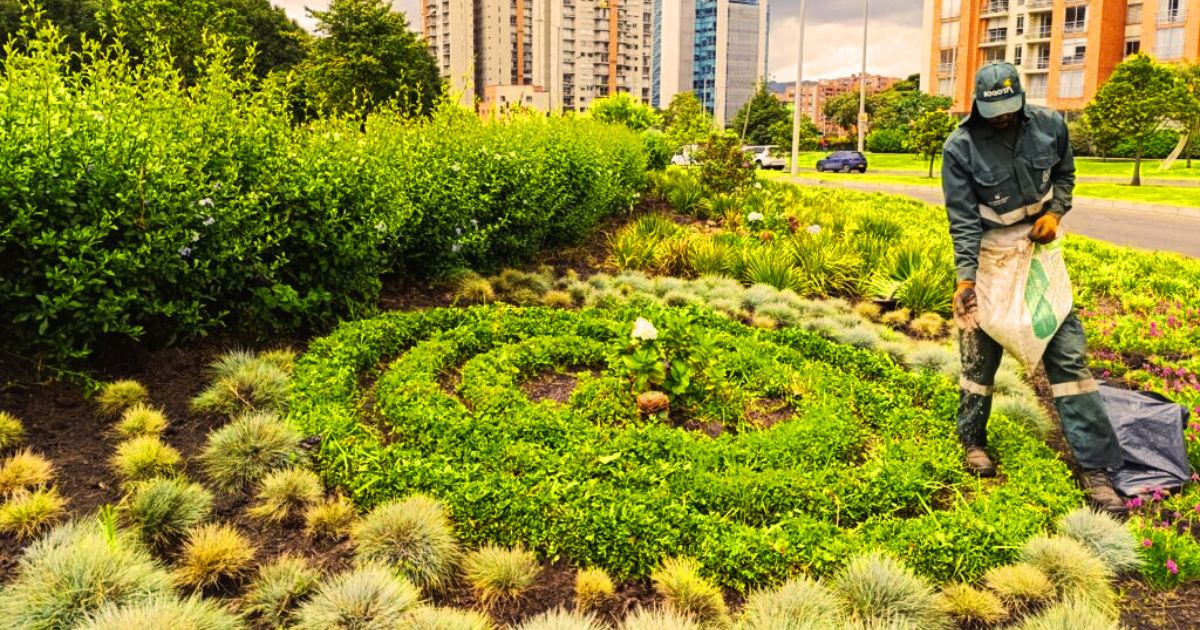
(28, 513)
(286, 492)
(877, 587)
(23, 471)
(682, 588)
(799, 604)
(140, 420)
(163, 510)
(412, 535)
(886, 141)
(1158, 146)
(592, 588)
(498, 574)
(192, 613)
(367, 598)
(247, 449)
(178, 207)
(332, 518)
(724, 166)
(144, 458)
(12, 432)
(76, 570)
(279, 589)
(213, 554)
(116, 396)
(657, 149)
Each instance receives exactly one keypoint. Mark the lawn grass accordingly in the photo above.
(1087, 166)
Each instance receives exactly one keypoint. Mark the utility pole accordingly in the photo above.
(862, 83)
(796, 103)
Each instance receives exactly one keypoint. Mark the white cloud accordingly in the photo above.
(835, 50)
(296, 10)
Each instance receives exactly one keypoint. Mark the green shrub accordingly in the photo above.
(498, 574)
(140, 421)
(193, 613)
(144, 458)
(247, 449)
(279, 588)
(23, 471)
(76, 570)
(658, 619)
(1107, 537)
(243, 382)
(724, 167)
(117, 396)
(430, 618)
(971, 607)
(880, 588)
(330, 519)
(412, 535)
(163, 510)
(1021, 586)
(657, 148)
(592, 588)
(559, 619)
(28, 513)
(886, 141)
(287, 492)
(1074, 570)
(282, 358)
(213, 554)
(12, 432)
(682, 588)
(799, 604)
(367, 598)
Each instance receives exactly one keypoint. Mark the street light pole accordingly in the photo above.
(796, 104)
(862, 83)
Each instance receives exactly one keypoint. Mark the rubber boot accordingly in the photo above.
(979, 463)
(1100, 490)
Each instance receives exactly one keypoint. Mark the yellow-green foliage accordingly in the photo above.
(559, 619)
(658, 619)
(679, 583)
(764, 322)
(371, 597)
(476, 291)
(12, 432)
(332, 518)
(140, 420)
(279, 589)
(163, 510)
(1020, 586)
(28, 513)
(592, 588)
(23, 471)
(414, 536)
(213, 553)
(558, 299)
(117, 396)
(286, 492)
(1073, 569)
(896, 318)
(430, 618)
(166, 613)
(928, 325)
(800, 604)
(500, 574)
(282, 358)
(243, 382)
(970, 606)
(1071, 614)
(247, 449)
(75, 570)
(144, 458)
(868, 310)
(877, 587)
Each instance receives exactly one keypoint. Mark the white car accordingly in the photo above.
(684, 157)
(764, 159)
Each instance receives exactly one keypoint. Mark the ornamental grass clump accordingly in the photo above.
(560, 619)
(1020, 586)
(26, 514)
(931, 357)
(877, 587)
(593, 587)
(279, 589)
(140, 420)
(1108, 538)
(897, 318)
(162, 511)
(166, 613)
(679, 583)
(868, 310)
(499, 574)
(658, 619)
(558, 299)
(144, 458)
(1026, 412)
(433, 618)
(282, 358)
(213, 554)
(243, 382)
(285, 493)
(118, 396)
(244, 451)
(928, 325)
(74, 571)
(12, 432)
(1074, 570)
(412, 535)
(801, 603)
(24, 471)
(476, 290)
(331, 519)
(1071, 614)
(370, 597)
(971, 607)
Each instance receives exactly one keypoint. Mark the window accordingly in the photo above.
(949, 35)
(1021, 24)
(1171, 11)
(1074, 51)
(1169, 44)
(1017, 56)
(992, 55)
(1132, 46)
(1076, 19)
(1070, 84)
(946, 87)
(951, 9)
(1035, 85)
(1133, 14)
(946, 61)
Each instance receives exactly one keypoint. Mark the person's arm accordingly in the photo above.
(1062, 175)
(962, 208)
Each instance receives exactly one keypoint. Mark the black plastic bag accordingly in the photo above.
(1149, 429)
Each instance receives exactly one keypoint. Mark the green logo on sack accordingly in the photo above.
(1045, 324)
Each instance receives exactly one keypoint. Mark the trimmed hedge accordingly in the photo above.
(133, 206)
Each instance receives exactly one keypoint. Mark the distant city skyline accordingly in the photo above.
(833, 40)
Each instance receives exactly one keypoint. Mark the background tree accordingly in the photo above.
(685, 120)
(897, 108)
(929, 133)
(366, 57)
(843, 111)
(754, 121)
(623, 109)
(1092, 139)
(1140, 98)
(781, 134)
(1190, 74)
(74, 18)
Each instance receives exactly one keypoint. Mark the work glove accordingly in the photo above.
(964, 299)
(1045, 229)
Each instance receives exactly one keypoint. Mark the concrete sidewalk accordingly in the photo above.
(1082, 179)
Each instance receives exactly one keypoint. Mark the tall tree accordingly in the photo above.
(781, 134)
(623, 109)
(898, 107)
(74, 18)
(758, 116)
(1139, 99)
(685, 120)
(366, 57)
(1190, 73)
(928, 133)
(843, 110)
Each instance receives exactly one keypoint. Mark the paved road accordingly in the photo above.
(1123, 227)
(1082, 179)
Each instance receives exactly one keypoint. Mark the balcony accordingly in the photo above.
(1172, 16)
(946, 69)
(1039, 5)
(1043, 31)
(994, 7)
(1074, 27)
(1040, 64)
(1073, 60)
(996, 37)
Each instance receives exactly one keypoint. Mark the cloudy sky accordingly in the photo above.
(832, 40)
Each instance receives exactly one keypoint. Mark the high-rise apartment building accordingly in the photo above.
(1065, 49)
(716, 49)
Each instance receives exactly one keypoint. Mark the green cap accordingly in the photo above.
(998, 90)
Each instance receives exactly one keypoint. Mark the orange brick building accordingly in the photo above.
(1065, 49)
(814, 94)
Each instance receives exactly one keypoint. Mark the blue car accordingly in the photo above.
(843, 162)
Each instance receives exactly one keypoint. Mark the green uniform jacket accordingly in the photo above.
(986, 188)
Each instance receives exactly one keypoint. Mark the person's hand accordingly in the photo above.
(964, 299)
(1045, 229)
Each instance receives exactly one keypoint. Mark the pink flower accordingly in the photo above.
(1134, 503)
(1172, 568)
(1157, 494)
(1147, 543)
(1154, 329)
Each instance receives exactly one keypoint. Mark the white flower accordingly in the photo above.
(643, 330)
(758, 185)
(205, 203)
(195, 236)
(814, 229)
(754, 217)
(208, 221)
(380, 227)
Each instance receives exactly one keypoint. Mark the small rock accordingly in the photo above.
(653, 402)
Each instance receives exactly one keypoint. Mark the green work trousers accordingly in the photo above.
(1085, 423)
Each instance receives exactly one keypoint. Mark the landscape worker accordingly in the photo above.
(1011, 163)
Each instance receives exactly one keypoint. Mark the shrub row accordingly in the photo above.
(133, 205)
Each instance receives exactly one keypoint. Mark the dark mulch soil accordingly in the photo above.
(1146, 608)
(768, 412)
(553, 385)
